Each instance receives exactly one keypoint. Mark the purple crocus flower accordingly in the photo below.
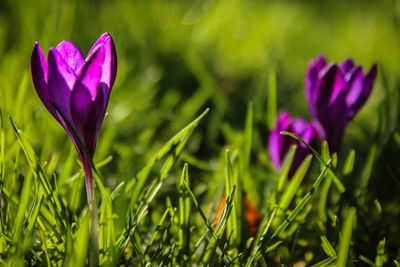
(334, 95)
(278, 144)
(79, 89)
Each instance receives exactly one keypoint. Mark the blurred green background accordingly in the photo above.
(176, 58)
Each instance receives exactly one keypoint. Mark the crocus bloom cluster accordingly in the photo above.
(279, 144)
(76, 90)
(334, 94)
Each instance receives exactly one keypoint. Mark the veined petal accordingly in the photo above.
(61, 79)
(110, 59)
(71, 55)
(91, 73)
(39, 70)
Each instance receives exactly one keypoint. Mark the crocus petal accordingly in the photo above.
(346, 66)
(283, 121)
(92, 72)
(110, 59)
(278, 144)
(339, 85)
(71, 55)
(61, 80)
(314, 68)
(86, 116)
(335, 96)
(274, 148)
(322, 93)
(39, 70)
(87, 101)
(299, 126)
(368, 83)
(305, 130)
(355, 85)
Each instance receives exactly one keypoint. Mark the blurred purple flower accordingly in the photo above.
(334, 95)
(278, 144)
(80, 88)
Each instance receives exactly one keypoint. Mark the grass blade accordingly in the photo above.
(380, 253)
(303, 202)
(184, 213)
(336, 180)
(295, 183)
(173, 148)
(345, 239)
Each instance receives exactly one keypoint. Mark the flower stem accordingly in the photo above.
(94, 220)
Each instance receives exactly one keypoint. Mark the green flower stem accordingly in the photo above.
(94, 221)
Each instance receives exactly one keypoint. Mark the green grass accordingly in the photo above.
(199, 86)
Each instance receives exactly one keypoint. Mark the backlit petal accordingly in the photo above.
(110, 59)
(61, 80)
(71, 55)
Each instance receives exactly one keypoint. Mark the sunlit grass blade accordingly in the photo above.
(23, 204)
(261, 237)
(336, 180)
(155, 233)
(215, 242)
(345, 239)
(141, 211)
(55, 205)
(75, 195)
(34, 212)
(158, 253)
(232, 227)
(81, 243)
(117, 191)
(184, 214)
(106, 229)
(199, 210)
(173, 148)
